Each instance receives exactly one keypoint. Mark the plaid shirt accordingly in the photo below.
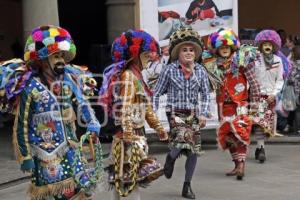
(183, 93)
(253, 83)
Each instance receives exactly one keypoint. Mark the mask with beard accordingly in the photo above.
(57, 63)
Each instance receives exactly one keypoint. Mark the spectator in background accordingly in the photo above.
(291, 41)
(284, 49)
(285, 124)
(293, 120)
(165, 54)
(152, 71)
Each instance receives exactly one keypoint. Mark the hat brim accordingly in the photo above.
(233, 49)
(68, 56)
(175, 51)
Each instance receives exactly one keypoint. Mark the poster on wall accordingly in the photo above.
(205, 16)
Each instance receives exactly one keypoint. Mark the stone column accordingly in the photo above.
(39, 12)
(121, 16)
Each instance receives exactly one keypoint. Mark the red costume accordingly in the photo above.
(231, 74)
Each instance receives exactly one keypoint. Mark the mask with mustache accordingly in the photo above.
(267, 48)
(59, 68)
(57, 63)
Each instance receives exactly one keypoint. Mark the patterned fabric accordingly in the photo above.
(232, 98)
(239, 125)
(234, 88)
(294, 78)
(133, 106)
(217, 66)
(126, 96)
(237, 149)
(223, 37)
(253, 83)
(13, 77)
(236, 70)
(265, 116)
(270, 36)
(184, 131)
(128, 46)
(183, 93)
(44, 129)
(46, 40)
(131, 44)
(149, 168)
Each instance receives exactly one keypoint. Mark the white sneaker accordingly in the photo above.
(287, 128)
(278, 134)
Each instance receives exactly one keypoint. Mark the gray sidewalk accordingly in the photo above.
(10, 173)
(277, 179)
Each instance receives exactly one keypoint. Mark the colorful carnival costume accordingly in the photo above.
(269, 73)
(44, 136)
(126, 97)
(231, 70)
(183, 81)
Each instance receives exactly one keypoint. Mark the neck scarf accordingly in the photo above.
(269, 60)
(224, 63)
(187, 72)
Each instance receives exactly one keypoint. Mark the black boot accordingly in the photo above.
(257, 151)
(234, 171)
(187, 191)
(240, 170)
(262, 155)
(169, 166)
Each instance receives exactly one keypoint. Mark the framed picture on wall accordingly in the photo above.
(162, 17)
